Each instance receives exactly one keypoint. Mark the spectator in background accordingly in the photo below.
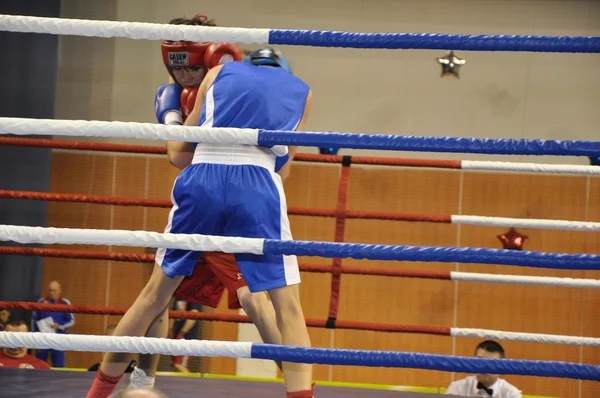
(4, 317)
(109, 332)
(52, 322)
(183, 329)
(18, 357)
(483, 385)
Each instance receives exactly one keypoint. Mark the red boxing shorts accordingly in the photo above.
(213, 273)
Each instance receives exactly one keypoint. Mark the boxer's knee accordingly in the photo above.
(252, 303)
(286, 301)
(149, 302)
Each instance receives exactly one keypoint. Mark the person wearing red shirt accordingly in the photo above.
(18, 357)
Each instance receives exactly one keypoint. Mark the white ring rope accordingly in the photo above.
(132, 30)
(524, 280)
(21, 234)
(143, 345)
(529, 337)
(221, 136)
(529, 167)
(146, 131)
(526, 223)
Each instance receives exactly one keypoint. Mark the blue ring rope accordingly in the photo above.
(425, 361)
(430, 144)
(433, 41)
(433, 254)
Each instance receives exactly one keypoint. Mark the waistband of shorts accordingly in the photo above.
(234, 155)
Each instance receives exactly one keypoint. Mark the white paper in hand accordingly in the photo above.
(45, 325)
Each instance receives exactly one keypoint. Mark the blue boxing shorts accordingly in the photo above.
(237, 200)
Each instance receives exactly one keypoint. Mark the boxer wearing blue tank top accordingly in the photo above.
(229, 190)
(233, 190)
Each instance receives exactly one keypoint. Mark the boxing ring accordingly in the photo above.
(336, 250)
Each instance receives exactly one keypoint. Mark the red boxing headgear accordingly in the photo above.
(209, 55)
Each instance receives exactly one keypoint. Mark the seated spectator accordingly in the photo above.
(18, 357)
(483, 385)
(4, 317)
(109, 332)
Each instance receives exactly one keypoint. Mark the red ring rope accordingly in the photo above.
(211, 316)
(148, 258)
(111, 200)
(301, 157)
(82, 146)
(340, 227)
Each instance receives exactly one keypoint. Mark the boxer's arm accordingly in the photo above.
(210, 77)
(307, 109)
(284, 172)
(181, 153)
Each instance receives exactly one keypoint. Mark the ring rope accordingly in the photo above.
(316, 38)
(585, 226)
(340, 227)
(307, 157)
(267, 138)
(351, 325)
(23, 234)
(353, 270)
(147, 345)
(236, 318)
(82, 145)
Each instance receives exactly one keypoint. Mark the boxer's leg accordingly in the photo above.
(196, 209)
(257, 209)
(145, 371)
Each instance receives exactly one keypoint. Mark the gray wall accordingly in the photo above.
(28, 80)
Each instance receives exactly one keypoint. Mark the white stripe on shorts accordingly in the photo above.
(160, 253)
(290, 263)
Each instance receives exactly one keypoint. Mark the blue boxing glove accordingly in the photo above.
(281, 161)
(167, 104)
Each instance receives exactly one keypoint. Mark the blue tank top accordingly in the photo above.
(248, 96)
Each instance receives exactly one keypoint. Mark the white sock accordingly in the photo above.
(138, 379)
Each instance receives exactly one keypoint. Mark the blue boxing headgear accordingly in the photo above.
(268, 57)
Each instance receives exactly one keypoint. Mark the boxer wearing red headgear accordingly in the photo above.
(187, 63)
(196, 59)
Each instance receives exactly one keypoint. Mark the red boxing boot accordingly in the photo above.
(103, 385)
(177, 360)
(303, 394)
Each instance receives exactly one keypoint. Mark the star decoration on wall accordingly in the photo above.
(513, 240)
(450, 64)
